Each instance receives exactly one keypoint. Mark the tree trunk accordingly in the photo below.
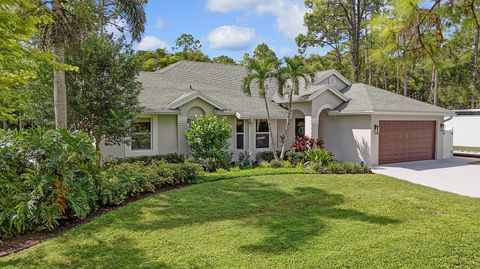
(473, 101)
(287, 124)
(355, 44)
(385, 82)
(398, 80)
(274, 148)
(59, 87)
(405, 84)
(435, 84)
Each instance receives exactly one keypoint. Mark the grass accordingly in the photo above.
(469, 149)
(275, 221)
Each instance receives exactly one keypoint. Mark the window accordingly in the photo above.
(142, 135)
(240, 130)
(300, 127)
(262, 138)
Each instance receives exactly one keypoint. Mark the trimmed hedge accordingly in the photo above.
(126, 180)
(146, 160)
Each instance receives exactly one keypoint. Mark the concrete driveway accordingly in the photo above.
(457, 175)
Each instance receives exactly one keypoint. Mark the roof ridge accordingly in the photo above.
(168, 67)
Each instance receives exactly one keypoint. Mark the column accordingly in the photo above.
(182, 144)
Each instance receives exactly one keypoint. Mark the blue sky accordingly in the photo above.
(225, 27)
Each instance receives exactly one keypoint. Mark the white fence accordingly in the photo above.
(466, 130)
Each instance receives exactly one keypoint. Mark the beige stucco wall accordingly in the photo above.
(348, 137)
(438, 139)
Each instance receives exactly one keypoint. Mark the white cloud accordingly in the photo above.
(151, 43)
(159, 23)
(289, 13)
(231, 37)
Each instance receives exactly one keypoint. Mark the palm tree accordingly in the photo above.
(289, 80)
(260, 70)
(66, 28)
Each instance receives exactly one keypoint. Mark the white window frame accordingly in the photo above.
(150, 120)
(255, 137)
(237, 133)
(153, 140)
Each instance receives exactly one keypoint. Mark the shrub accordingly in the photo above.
(122, 181)
(318, 156)
(286, 164)
(275, 164)
(168, 157)
(244, 159)
(304, 143)
(265, 156)
(208, 140)
(263, 165)
(341, 168)
(296, 157)
(46, 175)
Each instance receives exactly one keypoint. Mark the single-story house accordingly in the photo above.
(358, 122)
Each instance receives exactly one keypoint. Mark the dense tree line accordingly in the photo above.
(427, 50)
(186, 48)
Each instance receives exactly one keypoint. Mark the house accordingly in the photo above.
(466, 127)
(359, 123)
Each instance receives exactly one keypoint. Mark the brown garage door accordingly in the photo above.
(403, 141)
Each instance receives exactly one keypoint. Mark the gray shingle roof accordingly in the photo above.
(222, 83)
(366, 98)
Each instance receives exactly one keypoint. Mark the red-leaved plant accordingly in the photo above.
(304, 143)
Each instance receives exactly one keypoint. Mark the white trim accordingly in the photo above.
(254, 117)
(322, 108)
(369, 112)
(181, 100)
(237, 133)
(255, 136)
(153, 140)
(324, 88)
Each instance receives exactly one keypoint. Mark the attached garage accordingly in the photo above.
(403, 141)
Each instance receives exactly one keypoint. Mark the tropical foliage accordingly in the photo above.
(45, 176)
(103, 94)
(208, 138)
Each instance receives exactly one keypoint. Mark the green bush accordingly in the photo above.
(46, 175)
(168, 157)
(296, 157)
(287, 164)
(263, 165)
(318, 156)
(275, 164)
(122, 181)
(341, 168)
(265, 156)
(208, 140)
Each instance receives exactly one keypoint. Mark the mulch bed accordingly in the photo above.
(30, 239)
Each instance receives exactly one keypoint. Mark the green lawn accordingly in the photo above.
(470, 149)
(275, 221)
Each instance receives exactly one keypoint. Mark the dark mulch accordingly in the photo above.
(30, 239)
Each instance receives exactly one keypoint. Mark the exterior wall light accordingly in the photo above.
(442, 127)
(376, 128)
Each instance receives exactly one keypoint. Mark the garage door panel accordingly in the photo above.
(401, 141)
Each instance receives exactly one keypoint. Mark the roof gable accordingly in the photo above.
(190, 96)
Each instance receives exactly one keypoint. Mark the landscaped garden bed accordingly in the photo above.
(275, 221)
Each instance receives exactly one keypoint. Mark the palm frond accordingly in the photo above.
(134, 11)
(246, 81)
